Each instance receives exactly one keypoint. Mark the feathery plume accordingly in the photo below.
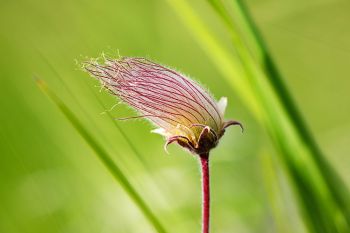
(183, 111)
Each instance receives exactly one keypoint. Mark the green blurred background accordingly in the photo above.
(50, 179)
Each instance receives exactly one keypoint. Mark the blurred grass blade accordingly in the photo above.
(321, 207)
(243, 22)
(336, 185)
(104, 157)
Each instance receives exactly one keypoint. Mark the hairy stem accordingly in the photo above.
(205, 192)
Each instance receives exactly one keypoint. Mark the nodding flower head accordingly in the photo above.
(183, 111)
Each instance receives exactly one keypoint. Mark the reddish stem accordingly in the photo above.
(205, 192)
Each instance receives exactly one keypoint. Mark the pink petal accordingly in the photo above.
(164, 96)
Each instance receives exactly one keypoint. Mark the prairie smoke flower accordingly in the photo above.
(183, 111)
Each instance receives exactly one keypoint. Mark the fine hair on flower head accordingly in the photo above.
(183, 111)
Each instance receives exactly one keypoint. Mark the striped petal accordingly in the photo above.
(176, 104)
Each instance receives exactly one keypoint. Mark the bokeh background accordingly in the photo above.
(51, 180)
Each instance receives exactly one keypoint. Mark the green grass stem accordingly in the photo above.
(104, 157)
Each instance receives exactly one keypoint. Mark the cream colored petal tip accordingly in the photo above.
(160, 131)
(222, 104)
